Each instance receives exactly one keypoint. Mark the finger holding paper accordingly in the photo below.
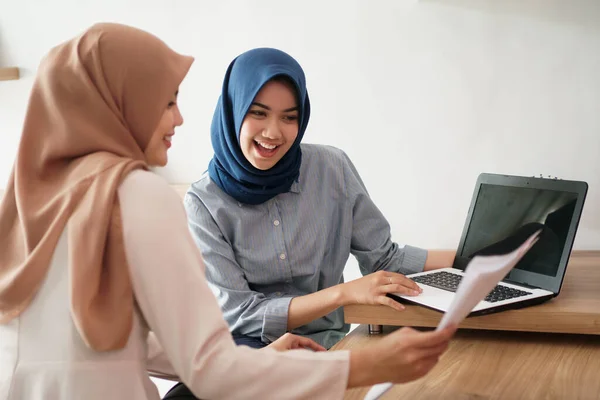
(416, 354)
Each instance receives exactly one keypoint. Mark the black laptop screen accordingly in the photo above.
(504, 217)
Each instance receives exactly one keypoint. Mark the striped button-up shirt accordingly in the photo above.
(259, 257)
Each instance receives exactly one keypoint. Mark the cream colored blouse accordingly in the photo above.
(43, 357)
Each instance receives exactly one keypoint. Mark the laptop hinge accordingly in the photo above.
(520, 284)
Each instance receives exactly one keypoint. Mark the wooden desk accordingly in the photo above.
(575, 310)
(500, 365)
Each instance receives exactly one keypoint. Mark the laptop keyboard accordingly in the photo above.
(449, 281)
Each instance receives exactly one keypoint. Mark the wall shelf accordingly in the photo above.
(7, 74)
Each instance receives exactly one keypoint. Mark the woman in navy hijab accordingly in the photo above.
(277, 219)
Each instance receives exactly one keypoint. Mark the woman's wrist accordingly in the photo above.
(340, 297)
(362, 368)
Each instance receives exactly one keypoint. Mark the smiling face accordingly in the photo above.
(156, 151)
(270, 127)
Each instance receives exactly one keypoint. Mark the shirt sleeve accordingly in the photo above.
(247, 312)
(371, 241)
(167, 276)
(157, 363)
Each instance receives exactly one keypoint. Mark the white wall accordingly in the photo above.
(423, 95)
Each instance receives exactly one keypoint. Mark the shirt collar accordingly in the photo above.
(295, 188)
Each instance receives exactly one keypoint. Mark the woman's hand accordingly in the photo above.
(292, 342)
(402, 356)
(372, 289)
(408, 354)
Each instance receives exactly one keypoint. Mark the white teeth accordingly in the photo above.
(266, 146)
(168, 138)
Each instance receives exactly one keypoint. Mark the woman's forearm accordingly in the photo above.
(305, 309)
(439, 259)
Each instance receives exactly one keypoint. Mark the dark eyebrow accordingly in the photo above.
(269, 108)
(261, 105)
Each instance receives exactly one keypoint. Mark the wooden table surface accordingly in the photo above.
(500, 365)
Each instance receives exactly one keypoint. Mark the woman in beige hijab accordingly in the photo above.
(95, 251)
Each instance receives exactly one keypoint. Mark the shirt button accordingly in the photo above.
(276, 222)
(278, 294)
(282, 256)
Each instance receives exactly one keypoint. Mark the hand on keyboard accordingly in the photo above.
(373, 288)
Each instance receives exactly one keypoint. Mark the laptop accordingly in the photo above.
(504, 212)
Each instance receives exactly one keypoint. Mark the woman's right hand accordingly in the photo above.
(290, 341)
(401, 356)
(373, 289)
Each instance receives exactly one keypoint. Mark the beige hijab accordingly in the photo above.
(94, 105)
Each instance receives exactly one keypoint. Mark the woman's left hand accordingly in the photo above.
(290, 341)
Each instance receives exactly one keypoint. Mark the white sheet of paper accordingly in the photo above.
(481, 276)
(378, 390)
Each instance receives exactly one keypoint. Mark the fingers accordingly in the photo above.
(310, 344)
(433, 351)
(400, 289)
(290, 341)
(432, 338)
(403, 280)
(391, 278)
(447, 332)
(386, 301)
(412, 339)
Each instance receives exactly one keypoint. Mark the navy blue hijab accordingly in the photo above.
(229, 168)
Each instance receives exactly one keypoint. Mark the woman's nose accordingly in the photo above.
(272, 130)
(178, 120)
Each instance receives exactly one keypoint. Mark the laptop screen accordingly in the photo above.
(504, 215)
